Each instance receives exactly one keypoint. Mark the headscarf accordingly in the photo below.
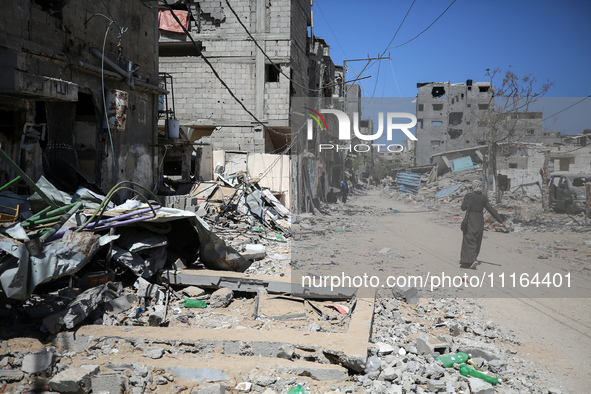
(477, 186)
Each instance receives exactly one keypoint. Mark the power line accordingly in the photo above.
(427, 28)
(387, 46)
(264, 53)
(328, 24)
(219, 78)
(399, 27)
(570, 106)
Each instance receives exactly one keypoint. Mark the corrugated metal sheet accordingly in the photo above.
(449, 190)
(408, 183)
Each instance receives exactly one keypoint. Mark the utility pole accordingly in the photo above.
(368, 60)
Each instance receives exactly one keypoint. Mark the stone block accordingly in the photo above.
(478, 386)
(38, 362)
(221, 298)
(74, 379)
(108, 383)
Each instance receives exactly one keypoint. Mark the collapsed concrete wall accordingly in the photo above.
(51, 92)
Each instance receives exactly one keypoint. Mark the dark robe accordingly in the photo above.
(473, 236)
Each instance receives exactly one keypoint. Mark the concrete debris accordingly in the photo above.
(38, 362)
(74, 380)
(200, 374)
(81, 307)
(221, 298)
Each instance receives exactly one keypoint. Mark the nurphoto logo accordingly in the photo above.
(344, 130)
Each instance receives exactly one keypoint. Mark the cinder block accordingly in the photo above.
(108, 383)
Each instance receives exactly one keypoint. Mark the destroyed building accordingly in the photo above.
(263, 80)
(78, 94)
(447, 117)
(451, 117)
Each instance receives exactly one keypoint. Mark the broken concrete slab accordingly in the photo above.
(111, 383)
(193, 291)
(11, 375)
(74, 379)
(478, 386)
(409, 294)
(199, 374)
(38, 362)
(322, 374)
(81, 307)
(153, 352)
(212, 389)
(221, 298)
(427, 345)
(236, 281)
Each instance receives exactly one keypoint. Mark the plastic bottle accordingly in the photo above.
(297, 390)
(467, 371)
(191, 303)
(451, 359)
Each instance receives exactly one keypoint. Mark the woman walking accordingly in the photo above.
(474, 204)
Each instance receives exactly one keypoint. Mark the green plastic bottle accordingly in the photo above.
(451, 359)
(297, 390)
(191, 303)
(467, 371)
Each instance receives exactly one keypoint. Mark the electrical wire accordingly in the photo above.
(218, 77)
(427, 28)
(328, 24)
(570, 106)
(399, 27)
(111, 21)
(264, 53)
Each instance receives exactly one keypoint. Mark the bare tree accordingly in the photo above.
(506, 120)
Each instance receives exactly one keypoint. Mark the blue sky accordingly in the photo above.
(547, 38)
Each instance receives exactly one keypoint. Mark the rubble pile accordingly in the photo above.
(521, 208)
(409, 337)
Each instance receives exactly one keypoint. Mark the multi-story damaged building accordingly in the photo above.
(79, 91)
(453, 117)
(447, 117)
(263, 79)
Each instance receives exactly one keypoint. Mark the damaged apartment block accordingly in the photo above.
(79, 91)
(447, 117)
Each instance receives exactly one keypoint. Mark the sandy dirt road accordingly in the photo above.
(553, 331)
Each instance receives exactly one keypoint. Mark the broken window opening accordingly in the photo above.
(7, 122)
(435, 143)
(512, 165)
(579, 182)
(468, 105)
(438, 92)
(437, 107)
(271, 73)
(421, 106)
(531, 132)
(454, 133)
(85, 109)
(52, 7)
(420, 123)
(483, 106)
(177, 49)
(436, 123)
(483, 89)
(455, 118)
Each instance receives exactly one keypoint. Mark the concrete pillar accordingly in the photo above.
(260, 59)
